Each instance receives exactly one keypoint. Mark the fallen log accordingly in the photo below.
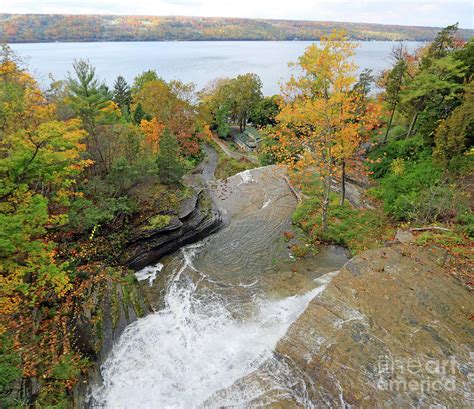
(429, 228)
(293, 190)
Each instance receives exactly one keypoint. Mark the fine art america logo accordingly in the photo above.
(430, 376)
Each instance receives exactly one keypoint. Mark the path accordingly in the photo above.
(232, 154)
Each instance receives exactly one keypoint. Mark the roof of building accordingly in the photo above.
(246, 139)
(253, 132)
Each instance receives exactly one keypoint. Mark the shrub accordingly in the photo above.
(401, 190)
(466, 222)
(228, 167)
(85, 213)
(300, 250)
(411, 149)
(355, 229)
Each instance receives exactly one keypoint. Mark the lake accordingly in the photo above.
(189, 61)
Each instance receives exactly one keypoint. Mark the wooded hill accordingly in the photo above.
(17, 28)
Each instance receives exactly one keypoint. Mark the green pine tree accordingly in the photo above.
(138, 114)
(170, 167)
(122, 94)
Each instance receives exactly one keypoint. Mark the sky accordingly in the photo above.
(437, 13)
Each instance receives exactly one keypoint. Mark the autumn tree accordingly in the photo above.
(238, 96)
(246, 92)
(141, 79)
(171, 105)
(320, 113)
(153, 129)
(40, 161)
(215, 102)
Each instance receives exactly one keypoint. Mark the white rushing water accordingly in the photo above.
(149, 273)
(187, 354)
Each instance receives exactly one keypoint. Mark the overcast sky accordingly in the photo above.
(421, 12)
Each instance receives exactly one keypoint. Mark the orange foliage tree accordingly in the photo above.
(170, 104)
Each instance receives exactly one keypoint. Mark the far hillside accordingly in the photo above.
(18, 28)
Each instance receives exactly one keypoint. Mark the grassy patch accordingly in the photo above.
(356, 229)
(229, 167)
(157, 222)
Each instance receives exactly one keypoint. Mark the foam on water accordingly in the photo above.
(149, 273)
(184, 354)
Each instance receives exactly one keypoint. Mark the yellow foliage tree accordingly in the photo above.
(40, 159)
(321, 122)
(153, 130)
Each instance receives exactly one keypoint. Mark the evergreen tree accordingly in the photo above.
(88, 98)
(442, 45)
(393, 87)
(363, 85)
(222, 121)
(455, 135)
(170, 168)
(106, 92)
(139, 114)
(122, 94)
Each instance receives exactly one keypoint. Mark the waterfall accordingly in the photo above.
(194, 348)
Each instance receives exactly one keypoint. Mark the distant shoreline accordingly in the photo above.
(202, 41)
(50, 28)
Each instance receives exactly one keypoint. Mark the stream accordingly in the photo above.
(227, 302)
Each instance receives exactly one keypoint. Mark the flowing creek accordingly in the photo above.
(227, 302)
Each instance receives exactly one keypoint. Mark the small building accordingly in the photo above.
(249, 139)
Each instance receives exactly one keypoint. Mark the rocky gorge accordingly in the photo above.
(236, 320)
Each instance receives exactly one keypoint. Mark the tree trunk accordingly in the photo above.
(325, 206)
(412, 125)
(327, 192)
(389, 123)
(343, 183)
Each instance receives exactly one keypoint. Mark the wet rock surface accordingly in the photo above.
(99, 324)
(391, 330)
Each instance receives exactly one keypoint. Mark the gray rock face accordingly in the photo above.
(99, 323)
(197, 218)
(390, 330)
